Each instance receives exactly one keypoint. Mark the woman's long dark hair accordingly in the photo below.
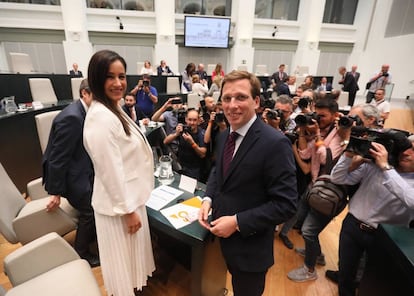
(97, 74)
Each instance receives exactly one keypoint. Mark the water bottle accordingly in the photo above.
(166, 175)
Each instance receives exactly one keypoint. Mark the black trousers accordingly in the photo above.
(86, 231)
(247, 283)
(369, 97)
(351, 98)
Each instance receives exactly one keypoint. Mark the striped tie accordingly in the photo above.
(228, 151)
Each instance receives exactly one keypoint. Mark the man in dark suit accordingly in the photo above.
(253, 192)
(163, 69)
(134, 112)
(75, 72)
(283, 88)
(349, 84)
(324, 85)
(68, 171)
(278, 77)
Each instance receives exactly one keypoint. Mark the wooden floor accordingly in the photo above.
(277, 283)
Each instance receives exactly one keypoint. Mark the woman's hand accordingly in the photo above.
(133, 222)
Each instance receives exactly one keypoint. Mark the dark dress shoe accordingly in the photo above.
(286, 241)
(332, 275)
(93, 260)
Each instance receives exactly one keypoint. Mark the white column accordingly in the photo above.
(165, 48)
(77, 47)
(310, 18)
(242, 52)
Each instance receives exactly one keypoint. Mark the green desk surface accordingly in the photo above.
(193, 234)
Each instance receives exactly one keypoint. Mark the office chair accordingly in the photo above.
(173, 85)
(21, 63)
(75, 84)
(22, 221)
(43, 125)
(42, 90)
(49, 266)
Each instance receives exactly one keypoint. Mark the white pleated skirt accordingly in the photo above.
(126, 259)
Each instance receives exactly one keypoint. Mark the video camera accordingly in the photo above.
(395, 141)
(306, 119)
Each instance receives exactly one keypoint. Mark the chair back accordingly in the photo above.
(11, 202)
(343, 99)
(75, 84)
(43, 125)
(42, 90)
(21, 62)
(173, 85)
(193, 100)
(210, 68)
(261, 70)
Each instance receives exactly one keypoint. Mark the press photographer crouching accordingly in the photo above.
(191, 147)
(385, 194)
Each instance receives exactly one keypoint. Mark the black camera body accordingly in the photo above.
(395, 141)
(306, 119)
(348, 121)
(385, 74)
(269, 103)
(274, 114)
(219, 117)
(292, 136)
(304, 102)
(145, 83)
(186, 129)
(181, 114)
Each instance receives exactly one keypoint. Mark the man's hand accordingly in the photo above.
(53, 204)
(380, 154)
(133, 222)
(224, 226)
(203, 215)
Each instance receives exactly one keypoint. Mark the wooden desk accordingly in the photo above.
(390, 265)
(208, 270)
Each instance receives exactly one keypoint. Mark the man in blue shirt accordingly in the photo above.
(146, 95)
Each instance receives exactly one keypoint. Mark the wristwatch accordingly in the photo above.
(387, 167)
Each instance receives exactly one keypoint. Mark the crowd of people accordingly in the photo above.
(259, 156)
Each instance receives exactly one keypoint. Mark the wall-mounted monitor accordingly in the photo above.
(206, 31)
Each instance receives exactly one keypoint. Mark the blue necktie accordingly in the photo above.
(228, 151)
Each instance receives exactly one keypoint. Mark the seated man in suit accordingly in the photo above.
(325, 85)
(68, 171)
(164, 69)
(131, 108)
(251, 189)
(75, 72)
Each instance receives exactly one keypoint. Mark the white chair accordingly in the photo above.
(44, 124)
(49, 266)
(210, 68)
(261, 70)
(242, 68)
(75, 84)
(21, 62)
(42, 90)
(173, 85)
(343, 99)
(22, 221)
(139, 67)
(193, 100)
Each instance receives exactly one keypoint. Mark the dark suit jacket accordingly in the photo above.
(67, 168)
(72, 73)
(328, 87)
(260, 188)
(276, 78)
(349, 83)
(283, 89)
(138, 112)
(167, 70)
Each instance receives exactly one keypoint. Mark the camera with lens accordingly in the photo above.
(186, 129)
(306, 119)
(292, 136)
(268, 103)
(219, 117)
(304, 102)
(274, 114)
(145, 83)
(181, 113)
(385, 74)
(348, 121)
(395, 141)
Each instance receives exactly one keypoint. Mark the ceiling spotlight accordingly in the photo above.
(121, 26)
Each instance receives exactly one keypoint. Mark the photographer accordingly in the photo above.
(325, 136)
(146, 95)
(378, 81)
(191, 147)
(385, 195)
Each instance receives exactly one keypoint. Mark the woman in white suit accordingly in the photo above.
(123, 164)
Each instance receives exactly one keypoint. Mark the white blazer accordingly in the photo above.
(123, 165)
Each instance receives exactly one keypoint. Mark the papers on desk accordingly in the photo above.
(183, 213)
(161, 196)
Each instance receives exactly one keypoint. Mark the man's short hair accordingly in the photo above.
(84, 86)
(369, 110)
(326, 103)
(236, 75)
(146, 76)
(284, 99)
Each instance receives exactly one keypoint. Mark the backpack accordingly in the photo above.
(325, 196)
